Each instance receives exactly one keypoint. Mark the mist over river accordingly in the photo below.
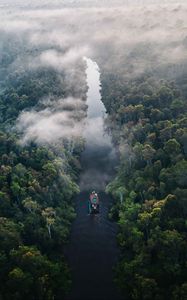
(93, 252)
(93, 96)
(99, 157)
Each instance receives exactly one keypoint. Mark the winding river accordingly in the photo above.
(92, 251)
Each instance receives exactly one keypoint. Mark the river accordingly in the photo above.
(92, 252)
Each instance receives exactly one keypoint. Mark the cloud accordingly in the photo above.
(60, 119)
(126, 38)
(15, 26)
(59, 61)
(63, 35)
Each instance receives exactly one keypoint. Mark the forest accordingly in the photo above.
(138, 49)
(148, 122)
(37, 184)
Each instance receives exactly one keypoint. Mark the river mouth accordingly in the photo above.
(92, 252)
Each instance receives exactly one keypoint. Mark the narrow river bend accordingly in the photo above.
(92, 251)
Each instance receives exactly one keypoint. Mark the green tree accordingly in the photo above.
(50, 215)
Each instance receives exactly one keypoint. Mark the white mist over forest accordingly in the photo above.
(93, 97)
(137, 34)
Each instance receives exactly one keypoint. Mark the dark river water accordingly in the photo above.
(92, 252)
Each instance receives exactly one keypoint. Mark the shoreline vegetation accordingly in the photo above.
(37, 184)
(147, 119)
(141, 51)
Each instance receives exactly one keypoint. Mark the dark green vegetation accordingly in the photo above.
(134, 47)
(37, 184)
(148, 122)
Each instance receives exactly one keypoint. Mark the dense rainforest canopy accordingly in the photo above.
(37, 183)
(141, 52)
(148, 121)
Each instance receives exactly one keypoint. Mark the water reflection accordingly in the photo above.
(92, 252)
(98, 158)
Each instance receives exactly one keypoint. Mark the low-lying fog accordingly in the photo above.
(135, 35)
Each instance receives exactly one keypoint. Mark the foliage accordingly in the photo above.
(37, 185)
(150, 189)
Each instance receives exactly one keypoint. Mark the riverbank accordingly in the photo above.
(92, 252)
